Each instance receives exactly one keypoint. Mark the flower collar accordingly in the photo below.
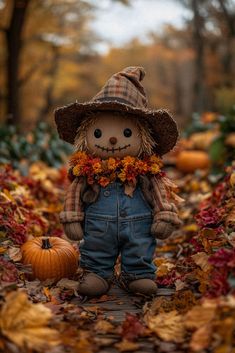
(106, 171)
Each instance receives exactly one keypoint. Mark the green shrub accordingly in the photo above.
(42, 144)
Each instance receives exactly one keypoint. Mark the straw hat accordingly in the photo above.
(122, 92)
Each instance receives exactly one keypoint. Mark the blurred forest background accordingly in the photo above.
(48, 58)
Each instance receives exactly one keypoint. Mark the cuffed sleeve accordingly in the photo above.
(73, 208)
(164, 209)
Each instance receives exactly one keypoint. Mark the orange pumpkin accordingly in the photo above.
(189, 161)
(50, 258)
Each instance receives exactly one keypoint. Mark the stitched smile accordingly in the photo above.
(112, 149)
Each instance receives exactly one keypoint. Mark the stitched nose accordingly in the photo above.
(113, 140)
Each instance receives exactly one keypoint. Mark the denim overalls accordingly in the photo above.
(117, 223)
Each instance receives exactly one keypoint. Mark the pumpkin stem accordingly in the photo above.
(46, 243)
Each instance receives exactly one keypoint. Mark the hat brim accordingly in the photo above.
(163, 126)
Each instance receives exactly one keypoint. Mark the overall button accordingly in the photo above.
(106, 193)
(123, 213)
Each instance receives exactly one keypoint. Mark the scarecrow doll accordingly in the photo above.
(119, 200)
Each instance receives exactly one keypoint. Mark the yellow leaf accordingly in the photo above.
(25, 323)
(191, 227)
(164, 269)
(199, 316)
(168, 326)
(232, 179)
(2, 250)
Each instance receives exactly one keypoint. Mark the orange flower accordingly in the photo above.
(128, 160)
(104, 181)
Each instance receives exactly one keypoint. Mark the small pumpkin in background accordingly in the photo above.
(189, 161)
(51, 257)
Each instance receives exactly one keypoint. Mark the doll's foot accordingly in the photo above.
(144, 286)
(92, 285)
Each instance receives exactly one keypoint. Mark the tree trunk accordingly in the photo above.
(228, 60)
(48, 97)
(199, 89)
(13, 37)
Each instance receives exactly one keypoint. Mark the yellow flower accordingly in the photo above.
(77, 170)
(122, 176)
(154, 168)
(97, 168)
(155, 159)
(112, 163)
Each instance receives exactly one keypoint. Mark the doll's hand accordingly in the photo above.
(73, 230)
(162, 230)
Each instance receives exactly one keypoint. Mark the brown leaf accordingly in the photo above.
(84, 344)
(201, 338)
(199, 316)
(14, 254)
(201, 259)
(179, 285)
(168, 326)
(68, 284)
(230, 219)
(103, 326)
(127, 346)
(25, 323)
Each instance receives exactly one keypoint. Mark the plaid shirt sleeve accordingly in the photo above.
(73, 210)
(164, 209)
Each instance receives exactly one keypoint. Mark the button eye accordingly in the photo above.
(97, 133)
(127, 132)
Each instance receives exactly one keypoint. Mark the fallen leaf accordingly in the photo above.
(179, 285)
(163, 267)
(193, 227)
(103, 326)
(67, 283)
(201, 259)
(132, 327)
(25, 323)
(103, 341)
(201, 338)
(199, 316)
(168, 326)
(232, 179)
(127, 346)
(103, 298)
(2, 250)
(230, 219)
(15, 254)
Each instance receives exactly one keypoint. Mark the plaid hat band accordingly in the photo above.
(112, 99)
(125, 87)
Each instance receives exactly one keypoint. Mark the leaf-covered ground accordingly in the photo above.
(197, 263)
